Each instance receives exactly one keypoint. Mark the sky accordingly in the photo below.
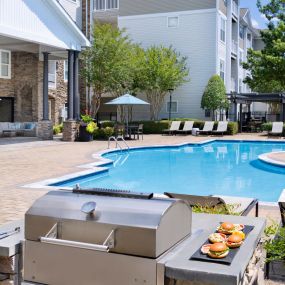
(258, 20)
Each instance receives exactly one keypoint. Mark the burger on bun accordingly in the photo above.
(234, 241)
(226, 228)
(217, 237)
(218, 250)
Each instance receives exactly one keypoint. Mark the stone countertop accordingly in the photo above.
(179, 267)
(11, 245)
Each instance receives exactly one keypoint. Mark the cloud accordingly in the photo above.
(255, 24)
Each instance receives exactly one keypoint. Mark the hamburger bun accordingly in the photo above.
(234, 241)
(226, 228)
(218, 250)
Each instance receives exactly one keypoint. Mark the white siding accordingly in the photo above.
(195, 37)
(39, 21)
(74, 9)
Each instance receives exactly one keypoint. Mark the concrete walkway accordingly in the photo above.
(24, 161)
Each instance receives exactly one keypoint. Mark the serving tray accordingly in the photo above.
(226, 260)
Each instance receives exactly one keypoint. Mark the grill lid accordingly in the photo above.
(139, 227)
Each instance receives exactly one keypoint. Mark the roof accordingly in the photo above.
(42, 22)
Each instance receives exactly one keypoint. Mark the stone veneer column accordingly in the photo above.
(70, 130)
(45, 130)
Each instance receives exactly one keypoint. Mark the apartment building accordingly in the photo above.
(214, 34)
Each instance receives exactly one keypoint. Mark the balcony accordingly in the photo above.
(234, 48)
(235, 10)
(105, 5)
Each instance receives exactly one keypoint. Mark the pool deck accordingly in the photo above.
(25, 161)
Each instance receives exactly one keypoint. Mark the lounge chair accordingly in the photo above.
(187, 128)
(277, 129)
(243, 205)
(281, 203)
(207, 129)
(221, 129)
(175, 125)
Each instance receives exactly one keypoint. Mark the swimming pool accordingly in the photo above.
(218, 167)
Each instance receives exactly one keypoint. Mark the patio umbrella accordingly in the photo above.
(127, 100)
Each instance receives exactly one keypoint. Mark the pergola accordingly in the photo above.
(249, 98)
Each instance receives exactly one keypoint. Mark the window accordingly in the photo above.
(174, 107)
(240, 85)
(226, 2)
(241, 32)
(240, 58)
(5, 64)
(172, 22)
(52, 74)
(207, 113)
(223, 30)
(65, 71)
(106, 4)
(222, 69)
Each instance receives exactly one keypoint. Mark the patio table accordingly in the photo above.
(132, 129)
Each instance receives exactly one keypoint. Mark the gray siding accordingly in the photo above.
(141, 7)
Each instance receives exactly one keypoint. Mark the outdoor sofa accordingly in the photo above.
(27, 129)
(243, 205)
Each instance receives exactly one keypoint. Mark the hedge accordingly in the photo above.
(156, 127)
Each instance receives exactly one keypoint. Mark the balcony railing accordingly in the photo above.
(103, 5)
(234, 47)
(235, 8)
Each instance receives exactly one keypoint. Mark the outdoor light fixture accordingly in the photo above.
(170, 103)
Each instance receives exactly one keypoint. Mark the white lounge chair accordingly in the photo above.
(207, 129)
(175, 125)
(187, 128)
(277, 129)
(221, 129)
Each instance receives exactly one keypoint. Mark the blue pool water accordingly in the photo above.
(220, 167)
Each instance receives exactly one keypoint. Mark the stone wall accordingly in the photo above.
(26, 86)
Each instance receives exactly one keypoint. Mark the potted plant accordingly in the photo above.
(276, 256)
(87, 128)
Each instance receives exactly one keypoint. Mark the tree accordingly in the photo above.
(267, 67)
(106, 64)
(162, 69)
(214, 97)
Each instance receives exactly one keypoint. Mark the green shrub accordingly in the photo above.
(91, 127)
(57, 129)
(153, 127)
(103, 133)
(86, 119)
(276, 248)
(266, 127)
(232, 128)
(105, 124)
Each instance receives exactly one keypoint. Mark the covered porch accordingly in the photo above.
(41, 33)
(243, 112)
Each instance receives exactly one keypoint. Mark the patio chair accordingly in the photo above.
(221, 129)
(277, 129)
(187, 128)
(175, 125)
(243, 205)
(207, 129)
(139, 131)
(281, 203)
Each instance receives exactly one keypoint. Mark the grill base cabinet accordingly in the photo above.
(121, 243)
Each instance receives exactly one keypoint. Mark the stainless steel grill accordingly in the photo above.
(79, 238)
